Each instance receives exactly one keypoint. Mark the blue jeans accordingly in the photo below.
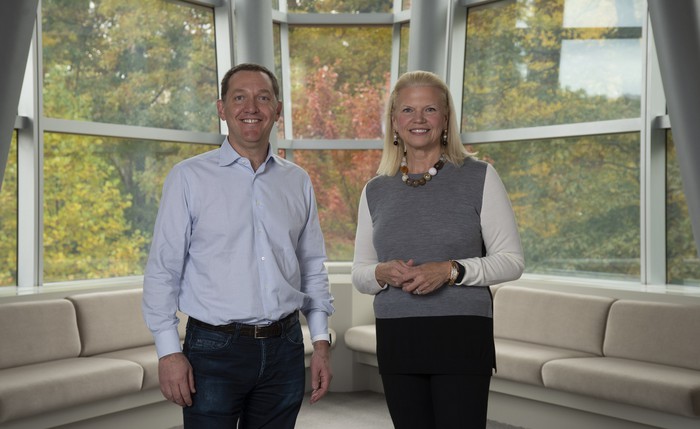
(243, 382)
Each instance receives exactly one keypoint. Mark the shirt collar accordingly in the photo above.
(229, 156)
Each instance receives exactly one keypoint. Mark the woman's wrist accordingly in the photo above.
(377, 276)
(457, 272)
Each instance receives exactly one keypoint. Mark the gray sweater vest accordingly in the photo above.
(435, 222)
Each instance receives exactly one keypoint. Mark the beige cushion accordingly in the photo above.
(670, 389)
(494, 288)
(662, 333)
(37, 331)
(32, 389)
(110, 321)
(556, 319)
(146, 356)
(520, 361)
(362, 338)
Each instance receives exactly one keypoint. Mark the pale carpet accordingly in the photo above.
(355, 410)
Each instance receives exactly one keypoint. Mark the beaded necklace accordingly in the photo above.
(425, 177)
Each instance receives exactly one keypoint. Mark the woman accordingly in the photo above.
(435, 229)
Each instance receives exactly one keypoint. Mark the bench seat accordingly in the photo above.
(523, 362)
(658, 387)
(651, 359)
(48, 386)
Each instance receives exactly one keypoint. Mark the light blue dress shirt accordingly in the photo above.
(235, 245)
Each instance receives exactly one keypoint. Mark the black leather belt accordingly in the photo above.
(274, 329)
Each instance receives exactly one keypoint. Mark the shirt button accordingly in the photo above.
(263, 258)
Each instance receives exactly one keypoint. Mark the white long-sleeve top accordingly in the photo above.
(503, 260)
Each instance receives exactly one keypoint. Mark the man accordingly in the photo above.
(237, 246)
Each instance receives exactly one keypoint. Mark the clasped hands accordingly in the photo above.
(416, 279)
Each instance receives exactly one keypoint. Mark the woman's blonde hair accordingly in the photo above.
(392, 154)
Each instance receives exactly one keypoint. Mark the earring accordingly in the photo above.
(396, 139)
(444, 137)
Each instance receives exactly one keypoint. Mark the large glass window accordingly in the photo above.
(338, 177)
(403, 49)
(682, 261)
(576, 201)
(339, 87)
(101, 197)
(339, 91)
(532, 63)
(8, 219)
(339, 6)
(277, 47)
(136, 63)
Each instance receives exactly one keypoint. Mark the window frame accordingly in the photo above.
(651, 124)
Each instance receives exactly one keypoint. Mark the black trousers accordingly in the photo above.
(437, 401)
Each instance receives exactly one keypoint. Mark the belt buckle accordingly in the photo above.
(258, 333)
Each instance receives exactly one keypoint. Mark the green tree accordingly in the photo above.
(512, 69)
(8, 219)
(339, 175)
(683, 262)
(111, 61)
(339, 6)
(339, 91)
(116, 61)
(576, 200)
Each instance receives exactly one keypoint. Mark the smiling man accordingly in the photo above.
(237, 246)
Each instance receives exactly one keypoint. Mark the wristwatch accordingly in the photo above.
(454, 272)
(457, 273)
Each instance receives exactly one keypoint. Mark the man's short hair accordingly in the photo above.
(249, 67)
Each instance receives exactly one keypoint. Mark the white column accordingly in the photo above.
(253, 26)
(427, 37)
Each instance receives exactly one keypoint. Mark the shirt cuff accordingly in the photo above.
(326, 337)
(318, 325)
(167, 343)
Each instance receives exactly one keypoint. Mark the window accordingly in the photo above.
(339, 6)
(682, 261)
(530, 65)
(101, 197)
(576, 201)
(550, 92)
(148, 66)
(338, 177)
(276, 40)
(8, 219)
(557, 62)
(339, 87)
(136, 63)
(339, 92)
(403, 54)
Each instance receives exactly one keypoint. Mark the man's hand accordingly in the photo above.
(321, 374)
(176, 379)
